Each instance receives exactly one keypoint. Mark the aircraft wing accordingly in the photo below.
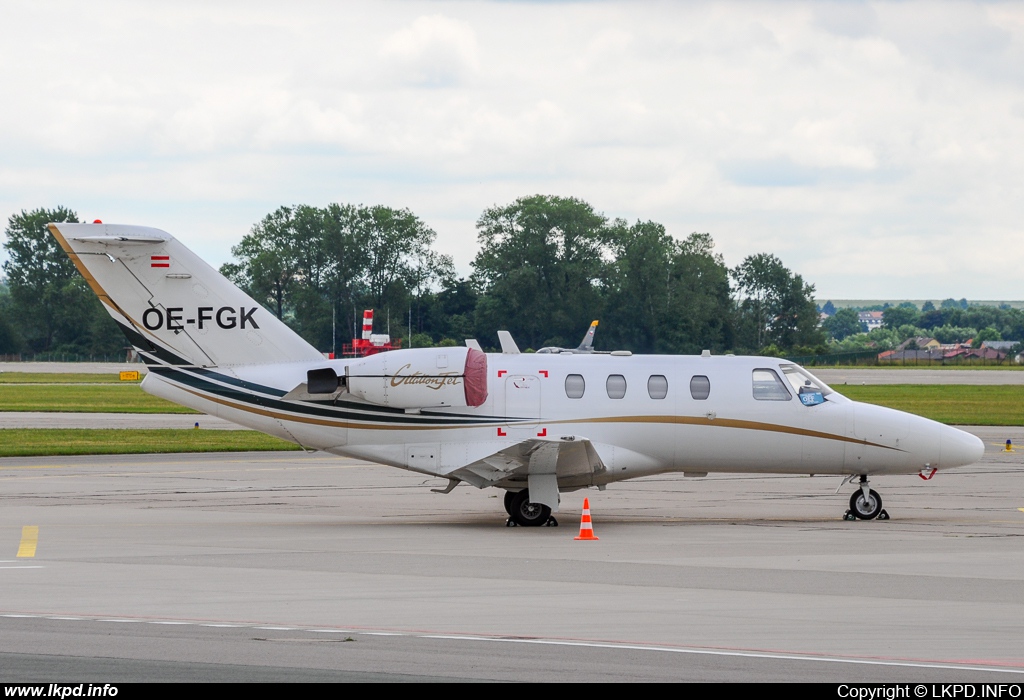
(538, 464)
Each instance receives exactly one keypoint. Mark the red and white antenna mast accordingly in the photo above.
(370, 343)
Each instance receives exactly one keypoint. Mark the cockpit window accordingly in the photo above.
(768, 386)
(803, 382)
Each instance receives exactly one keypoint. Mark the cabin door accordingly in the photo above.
(522, 405)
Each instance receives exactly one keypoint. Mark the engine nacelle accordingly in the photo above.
(420, 378)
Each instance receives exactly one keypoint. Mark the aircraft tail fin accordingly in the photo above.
(588, 340)
(173, 307)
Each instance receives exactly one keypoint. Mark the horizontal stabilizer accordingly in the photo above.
(116, 240)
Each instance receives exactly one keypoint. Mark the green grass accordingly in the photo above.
(953, 404)
(57, 378)
(893, 365)
(33, 442)
(71, 398)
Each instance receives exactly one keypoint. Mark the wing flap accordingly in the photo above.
(573, 460)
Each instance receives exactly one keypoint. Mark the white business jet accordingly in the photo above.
(532, 424)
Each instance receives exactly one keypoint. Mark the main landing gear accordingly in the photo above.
(525, 514)
(865, 503)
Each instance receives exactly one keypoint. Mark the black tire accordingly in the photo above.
(509, 495)
(528, 514)
(865, 509)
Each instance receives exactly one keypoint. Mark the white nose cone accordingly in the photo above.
(958, 448)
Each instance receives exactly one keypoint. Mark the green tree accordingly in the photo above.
(896, 316)
(775, 306)
(54, 306)
(842, 324)
(267, 267)
(540, 262)
(317, 268)
(664, 295)
(401, 260)
(953, 334)
(451, 311)
(284, 262)
(10, 340)
(985, 334)
(639, 285)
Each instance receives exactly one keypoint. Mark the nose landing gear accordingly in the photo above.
(865, 503)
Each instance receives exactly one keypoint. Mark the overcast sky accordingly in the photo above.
(876, 148)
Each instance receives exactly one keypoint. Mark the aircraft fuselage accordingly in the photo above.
(640, 413)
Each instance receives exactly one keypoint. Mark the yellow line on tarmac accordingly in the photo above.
(29, 540)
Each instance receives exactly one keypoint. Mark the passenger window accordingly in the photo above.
(575, 386)
(616, 386)
(657, 386)
(768, 386)
(700, 387)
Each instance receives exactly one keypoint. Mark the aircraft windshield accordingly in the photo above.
(803, 382)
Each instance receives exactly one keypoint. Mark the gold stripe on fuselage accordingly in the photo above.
(671, 420)
(734, 423)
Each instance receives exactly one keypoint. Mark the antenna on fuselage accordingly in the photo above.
(508, 346)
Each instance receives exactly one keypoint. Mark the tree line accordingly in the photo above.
(952, 322)
(545, 267)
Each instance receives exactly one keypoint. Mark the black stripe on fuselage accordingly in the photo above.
(234, 381)
(144, 344)
(247, 393)
(251, 390)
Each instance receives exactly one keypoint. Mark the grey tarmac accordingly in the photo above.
(837, 377)
(290, 566)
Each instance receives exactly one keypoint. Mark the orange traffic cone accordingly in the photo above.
(586, 526)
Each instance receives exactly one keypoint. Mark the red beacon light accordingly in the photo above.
(97, 221)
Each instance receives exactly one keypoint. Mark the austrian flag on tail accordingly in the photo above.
(159, 260)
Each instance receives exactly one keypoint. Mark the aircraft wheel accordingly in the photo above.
(528, 514)
(865, 508)
(509, 495)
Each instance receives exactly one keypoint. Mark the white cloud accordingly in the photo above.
(434, 51)
(872, 146)
(849, 18)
